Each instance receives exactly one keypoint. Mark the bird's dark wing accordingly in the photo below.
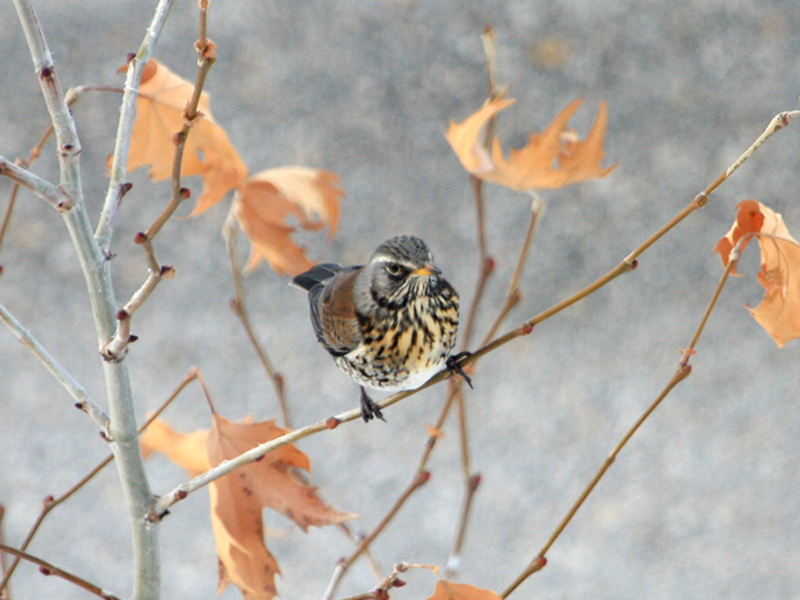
(333, 312)
(317, 274)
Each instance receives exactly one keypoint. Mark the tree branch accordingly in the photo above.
(50, 503)
(76, 390)
(45, 568)
(122, 426)
(119, 162)
(683, 371)
(45, 190)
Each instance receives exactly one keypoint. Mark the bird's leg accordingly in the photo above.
(455, 368)
(368, 408)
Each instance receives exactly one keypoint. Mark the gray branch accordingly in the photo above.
(48, 192)
(75, 389)
(122, 426)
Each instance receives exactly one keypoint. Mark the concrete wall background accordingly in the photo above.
(703, 503)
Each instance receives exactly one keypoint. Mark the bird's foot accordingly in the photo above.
(455, 368)
(369, 409)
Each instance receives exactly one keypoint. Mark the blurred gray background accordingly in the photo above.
(703, 503)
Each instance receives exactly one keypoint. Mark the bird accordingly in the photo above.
(391, 323)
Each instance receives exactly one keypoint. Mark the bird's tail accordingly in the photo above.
(316, 275)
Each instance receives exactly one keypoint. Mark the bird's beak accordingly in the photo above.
(427, 270)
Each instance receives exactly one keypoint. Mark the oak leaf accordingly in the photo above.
(552, 159)
(238, 498)
(447, 590)
(779, 311)
(270, 197)
(163, 97)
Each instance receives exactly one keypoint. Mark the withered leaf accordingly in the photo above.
(270, 197)
(185, 450)
(163, 97)
(238, 498)
(779, 311)
(447, 590)
(552, 159)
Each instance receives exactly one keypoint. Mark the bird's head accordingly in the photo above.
(400, 269)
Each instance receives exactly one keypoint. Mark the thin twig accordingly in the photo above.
(45, 190)
(453, 562)
(683, 371)
(116, 348)
(69, 147)
(539, 560)
(392, 580)
(240, 310)
(486, 267)
(456, 389)
(344, 564)
(373, 564)
(733, 258)
(119, 161)
(35, 152)
(514, 295)
(4, 591)
(205, 50)
(45, 568)
(76, 390)
(50, 503)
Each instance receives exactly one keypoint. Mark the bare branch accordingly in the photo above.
(75, 389)
(684, 370)
(240, 309)
(69, 147)
(50, 503)
(45, 568)
(122, 425)
(341, 568)
(127, 116)
(45, 190)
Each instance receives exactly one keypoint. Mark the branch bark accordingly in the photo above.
(122, 426)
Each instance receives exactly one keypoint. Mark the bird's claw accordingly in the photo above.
(455, 368)
(369, 409)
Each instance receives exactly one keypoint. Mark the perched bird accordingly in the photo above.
(389, 324)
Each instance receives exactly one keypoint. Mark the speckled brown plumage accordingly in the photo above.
(389, 324)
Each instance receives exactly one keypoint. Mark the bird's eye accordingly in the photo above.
(394, 269)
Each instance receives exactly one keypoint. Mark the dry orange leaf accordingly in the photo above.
(550, 160)
(447, 590)
(779, 311)
(186, 450)
(163, 96)
(267, 199)
(238, 498)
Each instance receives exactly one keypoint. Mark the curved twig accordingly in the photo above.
(45, 568)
